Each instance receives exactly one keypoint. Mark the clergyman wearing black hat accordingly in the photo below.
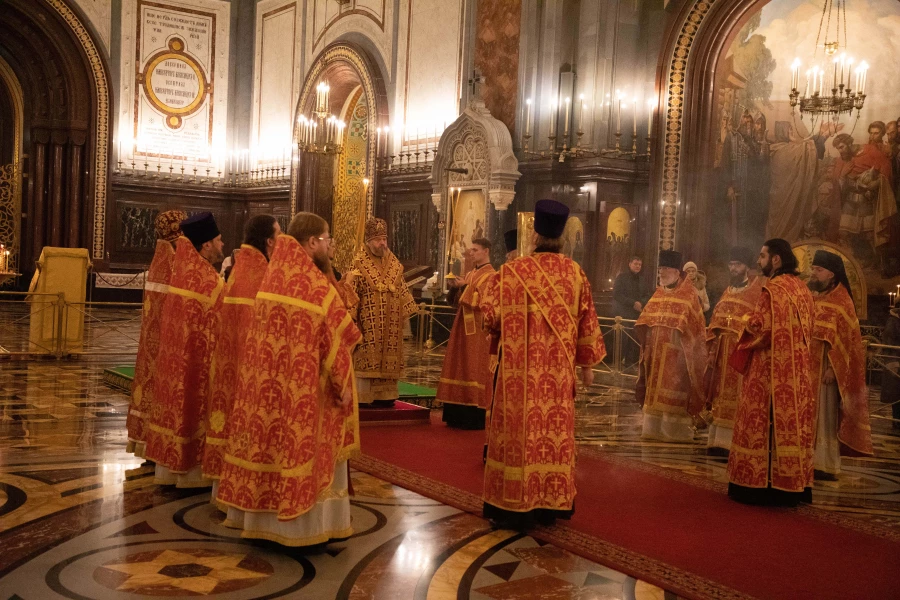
(541, 307)
(511, 241)
(827, 272)
(202, 231)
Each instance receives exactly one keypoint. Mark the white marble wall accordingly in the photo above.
(277, 76)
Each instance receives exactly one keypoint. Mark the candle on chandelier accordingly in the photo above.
(650, 106)
(553, 116)
(835, 74)
(843, 63)
(618, 113)
(528, 116)
(568, 106)
(806, 92)
(634, 118)
(849, 70)
(581, 112)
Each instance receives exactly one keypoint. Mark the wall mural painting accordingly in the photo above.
(832, 180)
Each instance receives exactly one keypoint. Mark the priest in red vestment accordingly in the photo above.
(168, 229)
(237, 315)
(188, 329)
(672, 334)
(295, 420)
(771, 460)
(466, 385)
(838, 369)
(724, 331)
(542, 309)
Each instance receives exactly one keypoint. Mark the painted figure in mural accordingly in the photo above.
(771, 459)
(189, 326)
(168, 229)
(466, 383)
(838, 370)
(744, 175)
(385, 304)
(672, 333)
(541, 309)
(295, 422)
(723, 389)
(863, 185)
(237, 314)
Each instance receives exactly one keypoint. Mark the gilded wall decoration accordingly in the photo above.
(349, 210)
(10, 213)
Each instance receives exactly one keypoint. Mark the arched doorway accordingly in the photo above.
(51, 60)
(333, 186)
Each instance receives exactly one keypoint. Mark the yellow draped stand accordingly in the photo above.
(61, 278)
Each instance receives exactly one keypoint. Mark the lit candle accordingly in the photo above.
(387, 138)
(835, 74)
(528, 116)
(849, 67)
(634, 117)
(843, 62)
(650, 107)
(806, 92)
(552, 119)
(618, 114)
(568, 106)
(581, 112)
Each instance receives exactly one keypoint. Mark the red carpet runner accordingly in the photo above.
(671, 532)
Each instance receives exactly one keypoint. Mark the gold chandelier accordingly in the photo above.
(830, 88)
(321, 132)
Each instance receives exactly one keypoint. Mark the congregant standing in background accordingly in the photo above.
(725, 328)
(188, 329)
(771, 460)
(542, 309)
(385, 303)
(294, 422)
(168, 229)
(672, 334)
(249, 268)
(466, 384)
(838, 372)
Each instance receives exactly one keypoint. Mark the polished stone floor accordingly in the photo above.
(81, 518)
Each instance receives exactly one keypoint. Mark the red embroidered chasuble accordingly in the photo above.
(384, 305)
(724, 331)
(286, 431)
(142, 397)
(541, 307)
(237, 315)
(466, 376)
(777, 383)
(672, 331)
(188, 329)
(347, 295)
(836, 334)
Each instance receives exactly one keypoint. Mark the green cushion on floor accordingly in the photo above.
(417, 391)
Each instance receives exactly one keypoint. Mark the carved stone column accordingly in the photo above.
(57, 185)
(74, 188)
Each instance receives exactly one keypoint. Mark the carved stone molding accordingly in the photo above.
(482, 145)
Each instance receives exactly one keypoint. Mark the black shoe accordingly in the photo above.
(823, 476)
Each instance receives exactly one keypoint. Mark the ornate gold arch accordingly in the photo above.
(101, 115)
(674, 118)
(336, 53)
(11, 174)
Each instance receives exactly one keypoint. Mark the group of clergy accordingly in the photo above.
(252, 386)
(778, 375)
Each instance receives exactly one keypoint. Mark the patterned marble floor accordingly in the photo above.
(80, 518)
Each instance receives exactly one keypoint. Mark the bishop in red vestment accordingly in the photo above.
(771, 460)
(188, 329)
(542, 309)
(168, 229)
